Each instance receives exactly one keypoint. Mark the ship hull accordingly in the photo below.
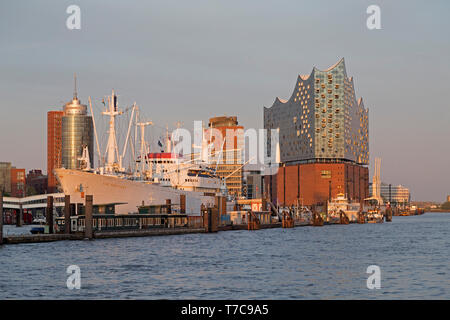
(107, 189)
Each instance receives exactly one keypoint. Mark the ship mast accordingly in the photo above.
(144, 151)
(111, 148)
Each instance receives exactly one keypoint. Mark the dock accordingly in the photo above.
(164, 222)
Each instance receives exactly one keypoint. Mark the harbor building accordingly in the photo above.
(396, 195)
(54, 147)
(77, 133)
(36, 182)
(12, 180)
(323, 139)
(253, 184)
(230, 158)
(18, 182)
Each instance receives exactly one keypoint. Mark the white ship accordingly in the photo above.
(341, 203)
(155, 178)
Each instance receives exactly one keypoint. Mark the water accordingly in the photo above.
(302, 263)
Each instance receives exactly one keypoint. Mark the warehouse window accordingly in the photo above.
(325, 174)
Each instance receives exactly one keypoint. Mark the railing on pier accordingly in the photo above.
(111, 222)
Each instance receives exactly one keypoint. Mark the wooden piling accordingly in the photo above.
(253, 222)
(317, 220)
(169, 206)
(19, 216)
(388, 214)
(1, 217)
(67, 214)
(49, 214)
(287, 220)
(224, 205)
(210, 219)
(361, 217)
(88, 233)
(264, 204)
(182, 203)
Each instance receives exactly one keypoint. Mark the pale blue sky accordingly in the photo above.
(190, 60)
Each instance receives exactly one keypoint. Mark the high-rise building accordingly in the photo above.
(68, 132)
(323, 139)
(5, 177)
(77, 133)
(54, 147)
(230, 154)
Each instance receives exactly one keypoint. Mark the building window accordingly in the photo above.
(325, 174)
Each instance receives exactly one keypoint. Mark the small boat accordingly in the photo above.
(374, 216)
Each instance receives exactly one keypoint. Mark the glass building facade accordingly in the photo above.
(77, 132)
(322, 120)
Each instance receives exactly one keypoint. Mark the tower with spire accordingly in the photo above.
(77, 132)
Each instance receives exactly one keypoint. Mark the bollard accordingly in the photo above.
(88, 217)
(49, 214)
(169, 206)
(182, 203)
(67, 214)
(1, 217)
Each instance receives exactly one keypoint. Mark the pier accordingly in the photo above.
(160, 220)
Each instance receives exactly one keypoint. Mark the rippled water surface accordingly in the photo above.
(302, 263)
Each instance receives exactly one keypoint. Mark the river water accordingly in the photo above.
(327, 262)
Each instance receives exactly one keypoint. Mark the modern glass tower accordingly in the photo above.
(77, 132)
(322, 121)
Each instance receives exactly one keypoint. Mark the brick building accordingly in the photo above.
(54, 147)
(18, 182)
(231, 158)
(36, 182)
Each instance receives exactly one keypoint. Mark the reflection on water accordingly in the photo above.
(302, 263)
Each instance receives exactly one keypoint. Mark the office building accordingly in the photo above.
(36, 182)
(230, 154)
(77, 133)
(54, 147)
(18, 182)
(397, 195)
(5, 177)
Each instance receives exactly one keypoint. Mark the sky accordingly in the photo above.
(192, 60)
